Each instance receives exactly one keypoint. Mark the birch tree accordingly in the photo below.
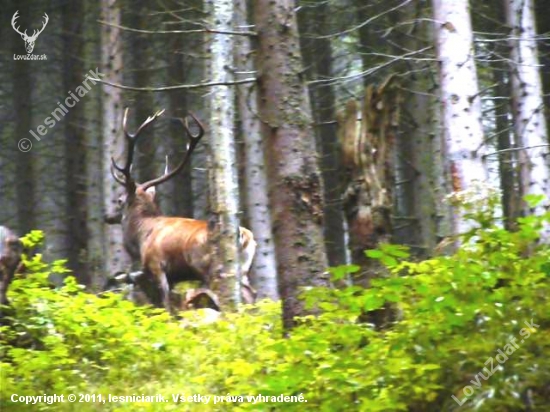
(113, 144)
(224, 191)
(264, 273)
(461, 106)
(295, 184)
(530, 126)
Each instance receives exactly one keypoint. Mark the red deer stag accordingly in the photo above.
(171, 249)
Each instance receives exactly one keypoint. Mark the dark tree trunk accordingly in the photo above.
(542, 11)
(141, 73)
(116, 258)
(415, 222)
(182, 188)
(25, 162)
(372, 36)
(317, 54)
(507, 160)
(292, 169)
(76, 213)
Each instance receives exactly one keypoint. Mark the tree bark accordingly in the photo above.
(542, 11)
(371, 45)
(140, 73)
(25, 160)
(460, 101)
(295, 190)
(264, 272)
(224, 189)
(368, 153)
(181, 189)
(507, 159)
(113, 143)
(94, 151)
(317, 52)
(76, 213)
(528, 108)
(416, 213)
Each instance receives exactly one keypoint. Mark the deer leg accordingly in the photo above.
(164, 291)
(147, 286)
(248, 249)
(156, 287)
(247, 255)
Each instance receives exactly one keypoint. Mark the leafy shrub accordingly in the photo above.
(453, 313)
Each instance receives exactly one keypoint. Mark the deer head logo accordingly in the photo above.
(29, 40)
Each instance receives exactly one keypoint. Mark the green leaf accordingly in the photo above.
(398, 251)
(389, 261)
(374, 253)
(534, 200)
(372, 301)
(342, 271)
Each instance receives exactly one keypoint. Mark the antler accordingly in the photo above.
(37, 32)
(13, 23)
(193, 141)
(127, 180)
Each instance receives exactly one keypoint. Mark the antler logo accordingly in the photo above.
(29, 40)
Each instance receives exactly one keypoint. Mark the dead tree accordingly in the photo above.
(368, 153)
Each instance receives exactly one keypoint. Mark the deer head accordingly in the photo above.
(29, 40)
(139, 198)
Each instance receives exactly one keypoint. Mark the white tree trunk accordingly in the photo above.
(224, 190)
(528, 109)
(462, 128)
(264, 267)
(113, 142)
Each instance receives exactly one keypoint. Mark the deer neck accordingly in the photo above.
(137, 223)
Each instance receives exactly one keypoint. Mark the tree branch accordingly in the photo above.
(205, 30)
(368, 71)
(359, 26)
(170, 88)
(515, 149)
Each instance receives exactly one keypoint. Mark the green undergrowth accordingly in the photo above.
(452, 315)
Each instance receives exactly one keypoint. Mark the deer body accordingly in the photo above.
(170, 249)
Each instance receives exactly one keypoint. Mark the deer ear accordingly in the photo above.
(151, 191)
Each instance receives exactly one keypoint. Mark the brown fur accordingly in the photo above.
(170, 249)
(10, 258)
